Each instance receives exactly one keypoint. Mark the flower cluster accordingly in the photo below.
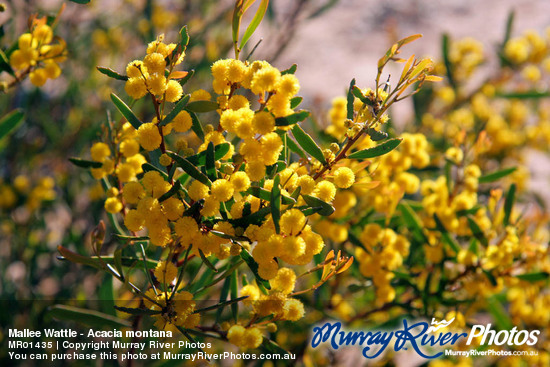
(384, 252)
(21, 191)
(37, 55)
(149, 75)
(229, 192)
(173, 310)
(261, 144)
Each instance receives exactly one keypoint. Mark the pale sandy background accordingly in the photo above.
(346, 42)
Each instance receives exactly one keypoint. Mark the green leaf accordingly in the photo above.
(499, 313)
(476, 231)
(273, 347)
(195, 209)
(85, 164)
(356, 241)
(81, 1)
(202, 106)
(509, 203)
(295, 102)
(106, 294)
(196, 127)
(207, 262)
(154, 158)
(473, 248)
(356, 91)
(448, 179)
(253, 265)
(415, 205)
(138, 311)
(223, 276)
(210, 162)
(509, 26)
(464, 212)
(408, 40)
(446, 59)
(308, 144)
(126, 111)
(276, 168)
(350, 100)
(325, 208)
(185, 79)
(228, 236)
(532, 94)
(187, 332)
(276, 203)
(199, 159)
(190, 169)
(490, 277)
(421, 102)
(235, 25)
(378, 150)
(291, 144)
(111, 73)
(147, 167)
(354, 288)
(401, 275)
(254, 23)
(5, 64)
(264, 194)
(323, 8)
(426, 293)
(144, 259)
(292, 119)
(296, 193)
(307, 211)
(130, 238)
(171, 172)
(221, 304)
(493, 176)
(224, 292)
(290, 70)
(117, 258)
(507, 34)
(376, 135)
(126, 261)
(180, 105)
(77, 258)
(447, 238)
(254, 218)
(173, 191)
(10, 121)
(412, 221)
(235, 296)
(184, 38)
(534, 277)
(87, 317)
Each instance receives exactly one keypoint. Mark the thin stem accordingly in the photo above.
(254, 49)
(147, 270)
(182, 272)
(221, 277)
